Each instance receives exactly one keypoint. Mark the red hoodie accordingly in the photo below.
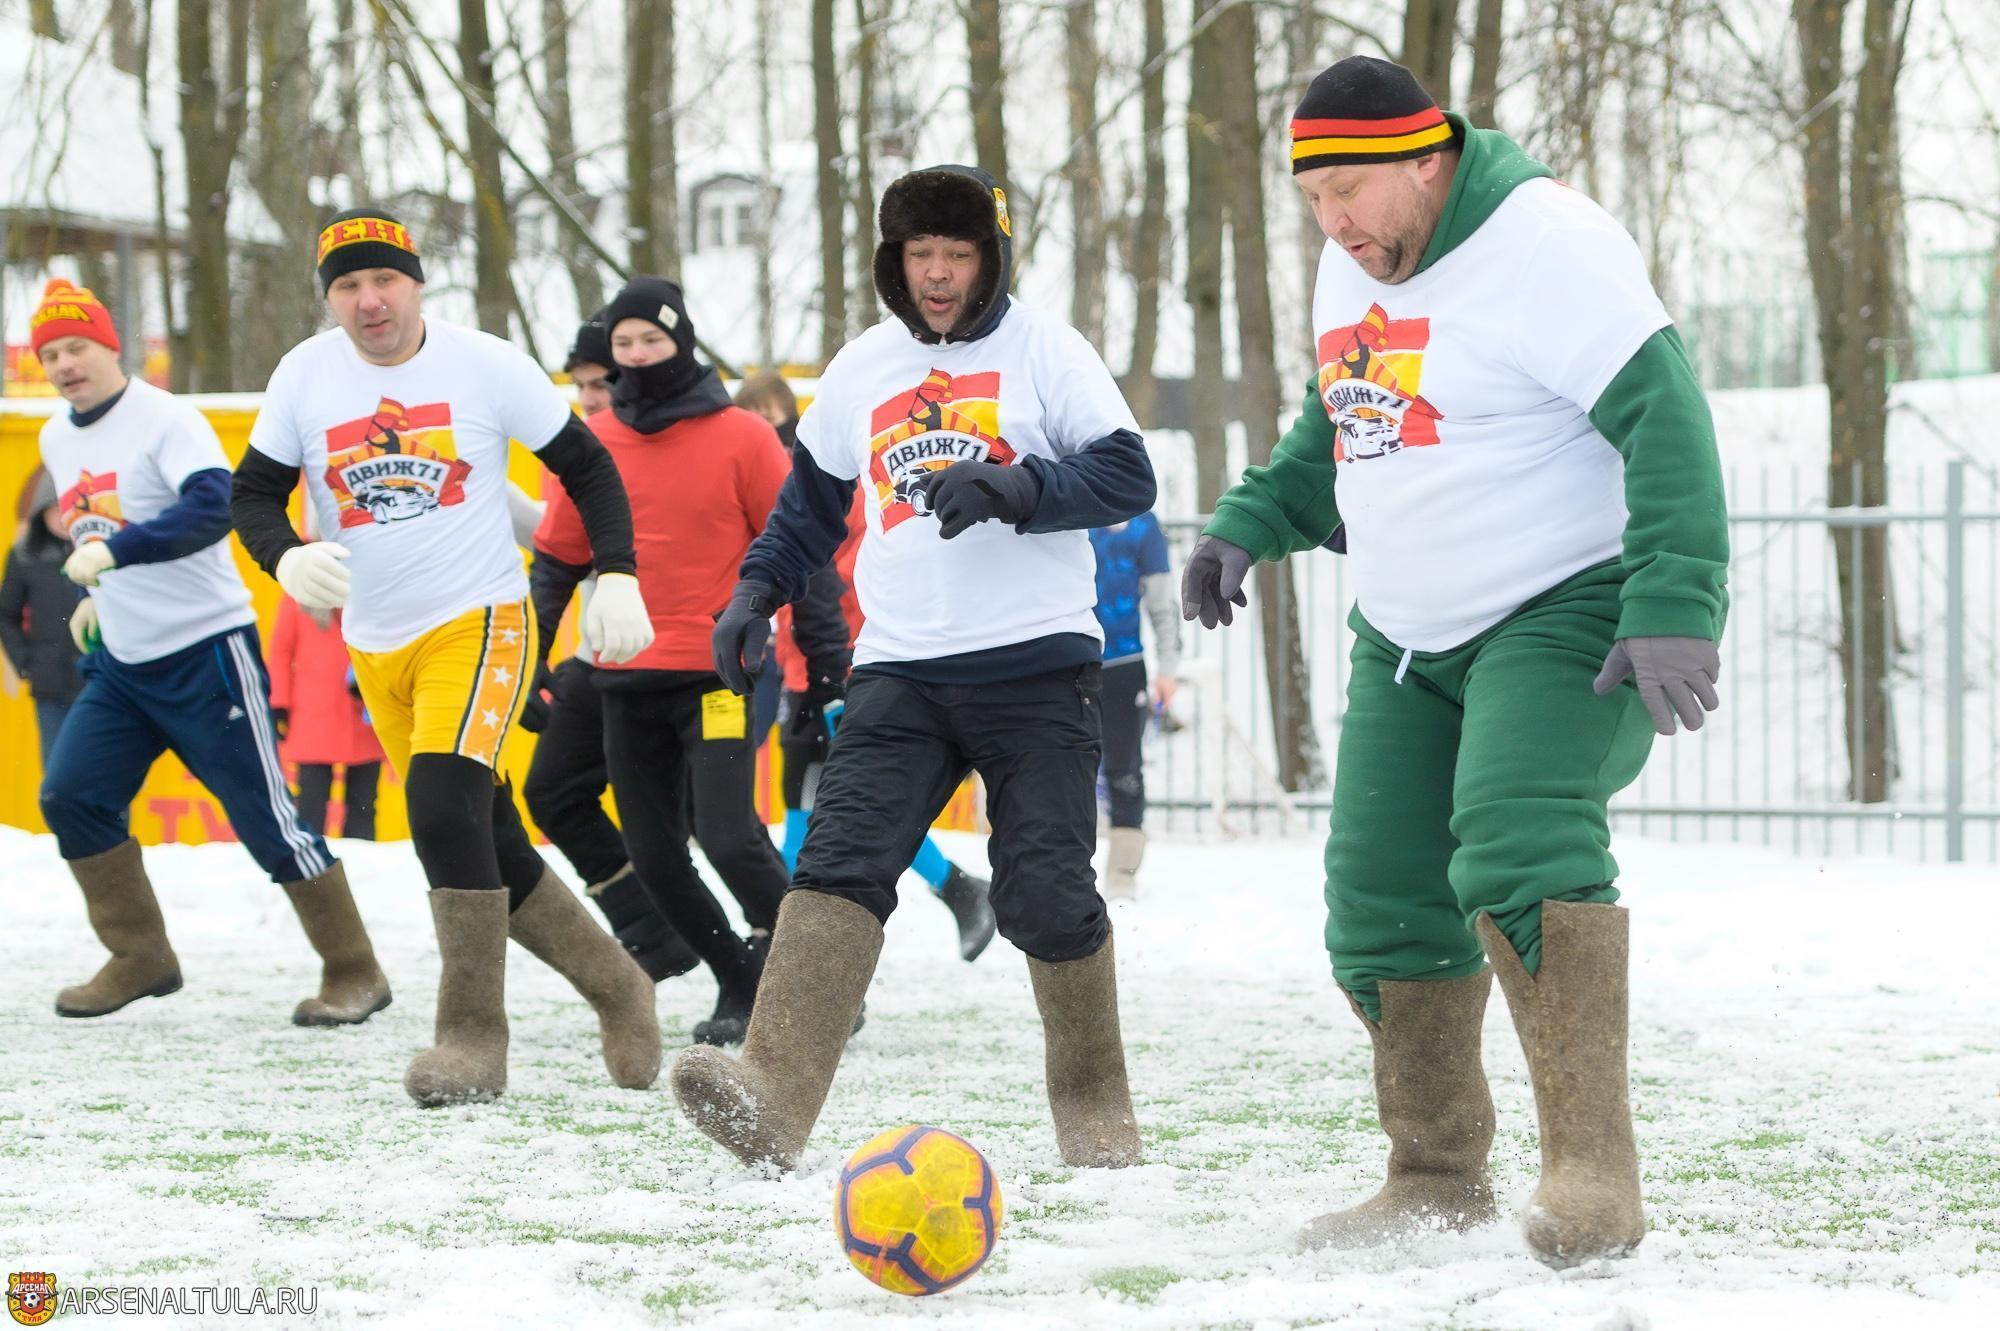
(790, 659)
(700, 491)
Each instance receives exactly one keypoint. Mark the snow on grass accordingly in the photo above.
(1816, 1074)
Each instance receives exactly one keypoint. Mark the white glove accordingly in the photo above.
(616, 619)
(88, 562)
(83, 625)
(314, 575)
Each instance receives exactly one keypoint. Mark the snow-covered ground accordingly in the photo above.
(1816, 1058)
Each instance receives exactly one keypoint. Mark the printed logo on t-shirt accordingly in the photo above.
(90, 508)
(396, 464)
(1370, 377)
(941, 421)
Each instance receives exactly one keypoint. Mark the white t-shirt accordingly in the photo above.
(129, 466)
(891, 408)
(1470, 477)
(406, 466)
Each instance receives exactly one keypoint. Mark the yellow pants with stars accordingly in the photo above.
(457, 689)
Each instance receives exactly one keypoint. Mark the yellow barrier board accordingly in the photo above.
(172, 806)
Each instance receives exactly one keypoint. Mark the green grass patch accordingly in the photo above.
(1137, 1284)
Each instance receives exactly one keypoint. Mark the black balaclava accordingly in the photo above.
(964, 203)
(649, 398)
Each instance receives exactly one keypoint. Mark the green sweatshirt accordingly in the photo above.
(1675, 546)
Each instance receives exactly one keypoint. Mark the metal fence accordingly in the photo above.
(1771, 766)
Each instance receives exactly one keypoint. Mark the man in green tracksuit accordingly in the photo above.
(1505, 435)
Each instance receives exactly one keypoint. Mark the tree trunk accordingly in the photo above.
(1487, 32)
(832, 192)
(1302, 34)
(212, 119)
(351, 161)
(987, 88)
(1207, 414)
(1848, 206)
(1148, 230)
(1086, 180)
(163, 262)
(494, 238)
(666, 156)
(284, 305)
(1430, 31)
(861, 305)
(640, 44)
(1286, 678)
(126, 42)
(767, 291)
(556, 114)
(42, 20)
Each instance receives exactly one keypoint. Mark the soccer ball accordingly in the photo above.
(917, 1209)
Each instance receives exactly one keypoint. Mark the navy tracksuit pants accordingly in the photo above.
(210, 704)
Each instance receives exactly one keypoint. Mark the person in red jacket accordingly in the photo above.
(321, 724)
(702, 475)
(809, 707)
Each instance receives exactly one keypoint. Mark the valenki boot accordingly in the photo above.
(1089, 1097)
(1436, 1110)
(352, 987)
(1572, 1019)
(469, 1060)
(126, 915)
(762, 1106)
(1121, 863)
(554, 926)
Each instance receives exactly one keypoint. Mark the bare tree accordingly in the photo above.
(42, 20)
(214, 111)
(866, 60)
(1302, 34)
(555, 104)
(1849, 196)
(494, 237)
(1149, 227)
(640, 46)
(349, 160)
(1488, 32)
(767, 290)
(832, 190)
(666, 156)
(283, 308)
(163, 266)
(1430, 35)
(123, 21)
(1085, 173)
(987, 88)
(1207, 413)
(1259, 396)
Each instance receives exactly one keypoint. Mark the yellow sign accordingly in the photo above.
(723, 716)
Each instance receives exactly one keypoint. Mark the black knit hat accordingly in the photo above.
(592, 345)
(365, 238)
(1362, 109)
(964, 203)
(657, 301)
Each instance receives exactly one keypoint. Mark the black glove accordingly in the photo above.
(966, 493)
(741, 631)
(1213, 581)
(535, 712)
(802, 716)
(281, 721)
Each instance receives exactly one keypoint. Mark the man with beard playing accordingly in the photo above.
(1506, 423)
(401, 426)
(988, 438)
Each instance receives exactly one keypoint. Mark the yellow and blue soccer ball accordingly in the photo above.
(917, 1209)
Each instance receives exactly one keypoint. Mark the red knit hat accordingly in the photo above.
(67, 310)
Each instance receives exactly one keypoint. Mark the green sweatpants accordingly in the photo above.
(1477, 783)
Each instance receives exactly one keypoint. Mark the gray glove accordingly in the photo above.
(1672, 674)
(1213, 581)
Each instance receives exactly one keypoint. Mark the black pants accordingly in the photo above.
(566, 779)
(467, 832)
(1127, 704)
(316, 791)
(657, 757)
(901, 750)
